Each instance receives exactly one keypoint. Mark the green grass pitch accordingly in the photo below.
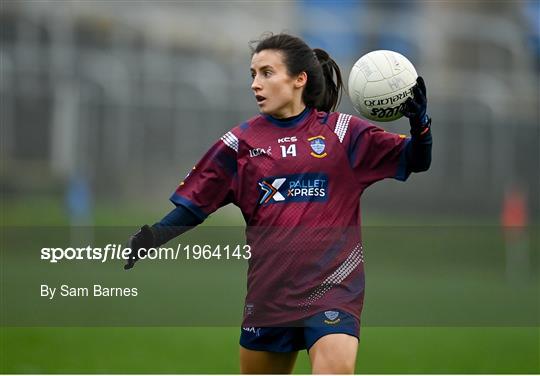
(403, 348)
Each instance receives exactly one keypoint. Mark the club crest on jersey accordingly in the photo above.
(332, 317)
(294, 188)
(317, 145)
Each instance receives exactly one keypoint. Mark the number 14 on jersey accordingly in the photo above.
(288, 150)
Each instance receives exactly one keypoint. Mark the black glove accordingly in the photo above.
(141, 239)
(416, 109)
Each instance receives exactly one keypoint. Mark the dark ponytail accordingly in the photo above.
(322, 91)
(334, 88)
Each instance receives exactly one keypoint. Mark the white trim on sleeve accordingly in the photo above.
(342, 125)
(230, 140)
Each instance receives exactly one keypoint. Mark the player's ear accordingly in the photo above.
(301, 80)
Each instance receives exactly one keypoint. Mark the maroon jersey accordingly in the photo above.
(298, 185)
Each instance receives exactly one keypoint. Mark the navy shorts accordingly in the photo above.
(300, 336)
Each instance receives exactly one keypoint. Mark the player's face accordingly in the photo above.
(277, 93)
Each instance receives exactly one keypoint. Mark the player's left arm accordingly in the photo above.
(375, 154)
(418, 150)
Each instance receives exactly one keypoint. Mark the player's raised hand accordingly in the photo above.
(416, 108)
(141, 239)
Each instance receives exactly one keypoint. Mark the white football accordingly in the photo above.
(379, 83)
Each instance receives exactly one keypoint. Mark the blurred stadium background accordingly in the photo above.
(106, 105)
(117, 100)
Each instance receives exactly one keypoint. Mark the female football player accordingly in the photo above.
(297, 171)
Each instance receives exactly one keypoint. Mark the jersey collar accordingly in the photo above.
(290, 122)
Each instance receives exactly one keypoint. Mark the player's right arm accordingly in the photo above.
(178, 221)
(209, 186)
